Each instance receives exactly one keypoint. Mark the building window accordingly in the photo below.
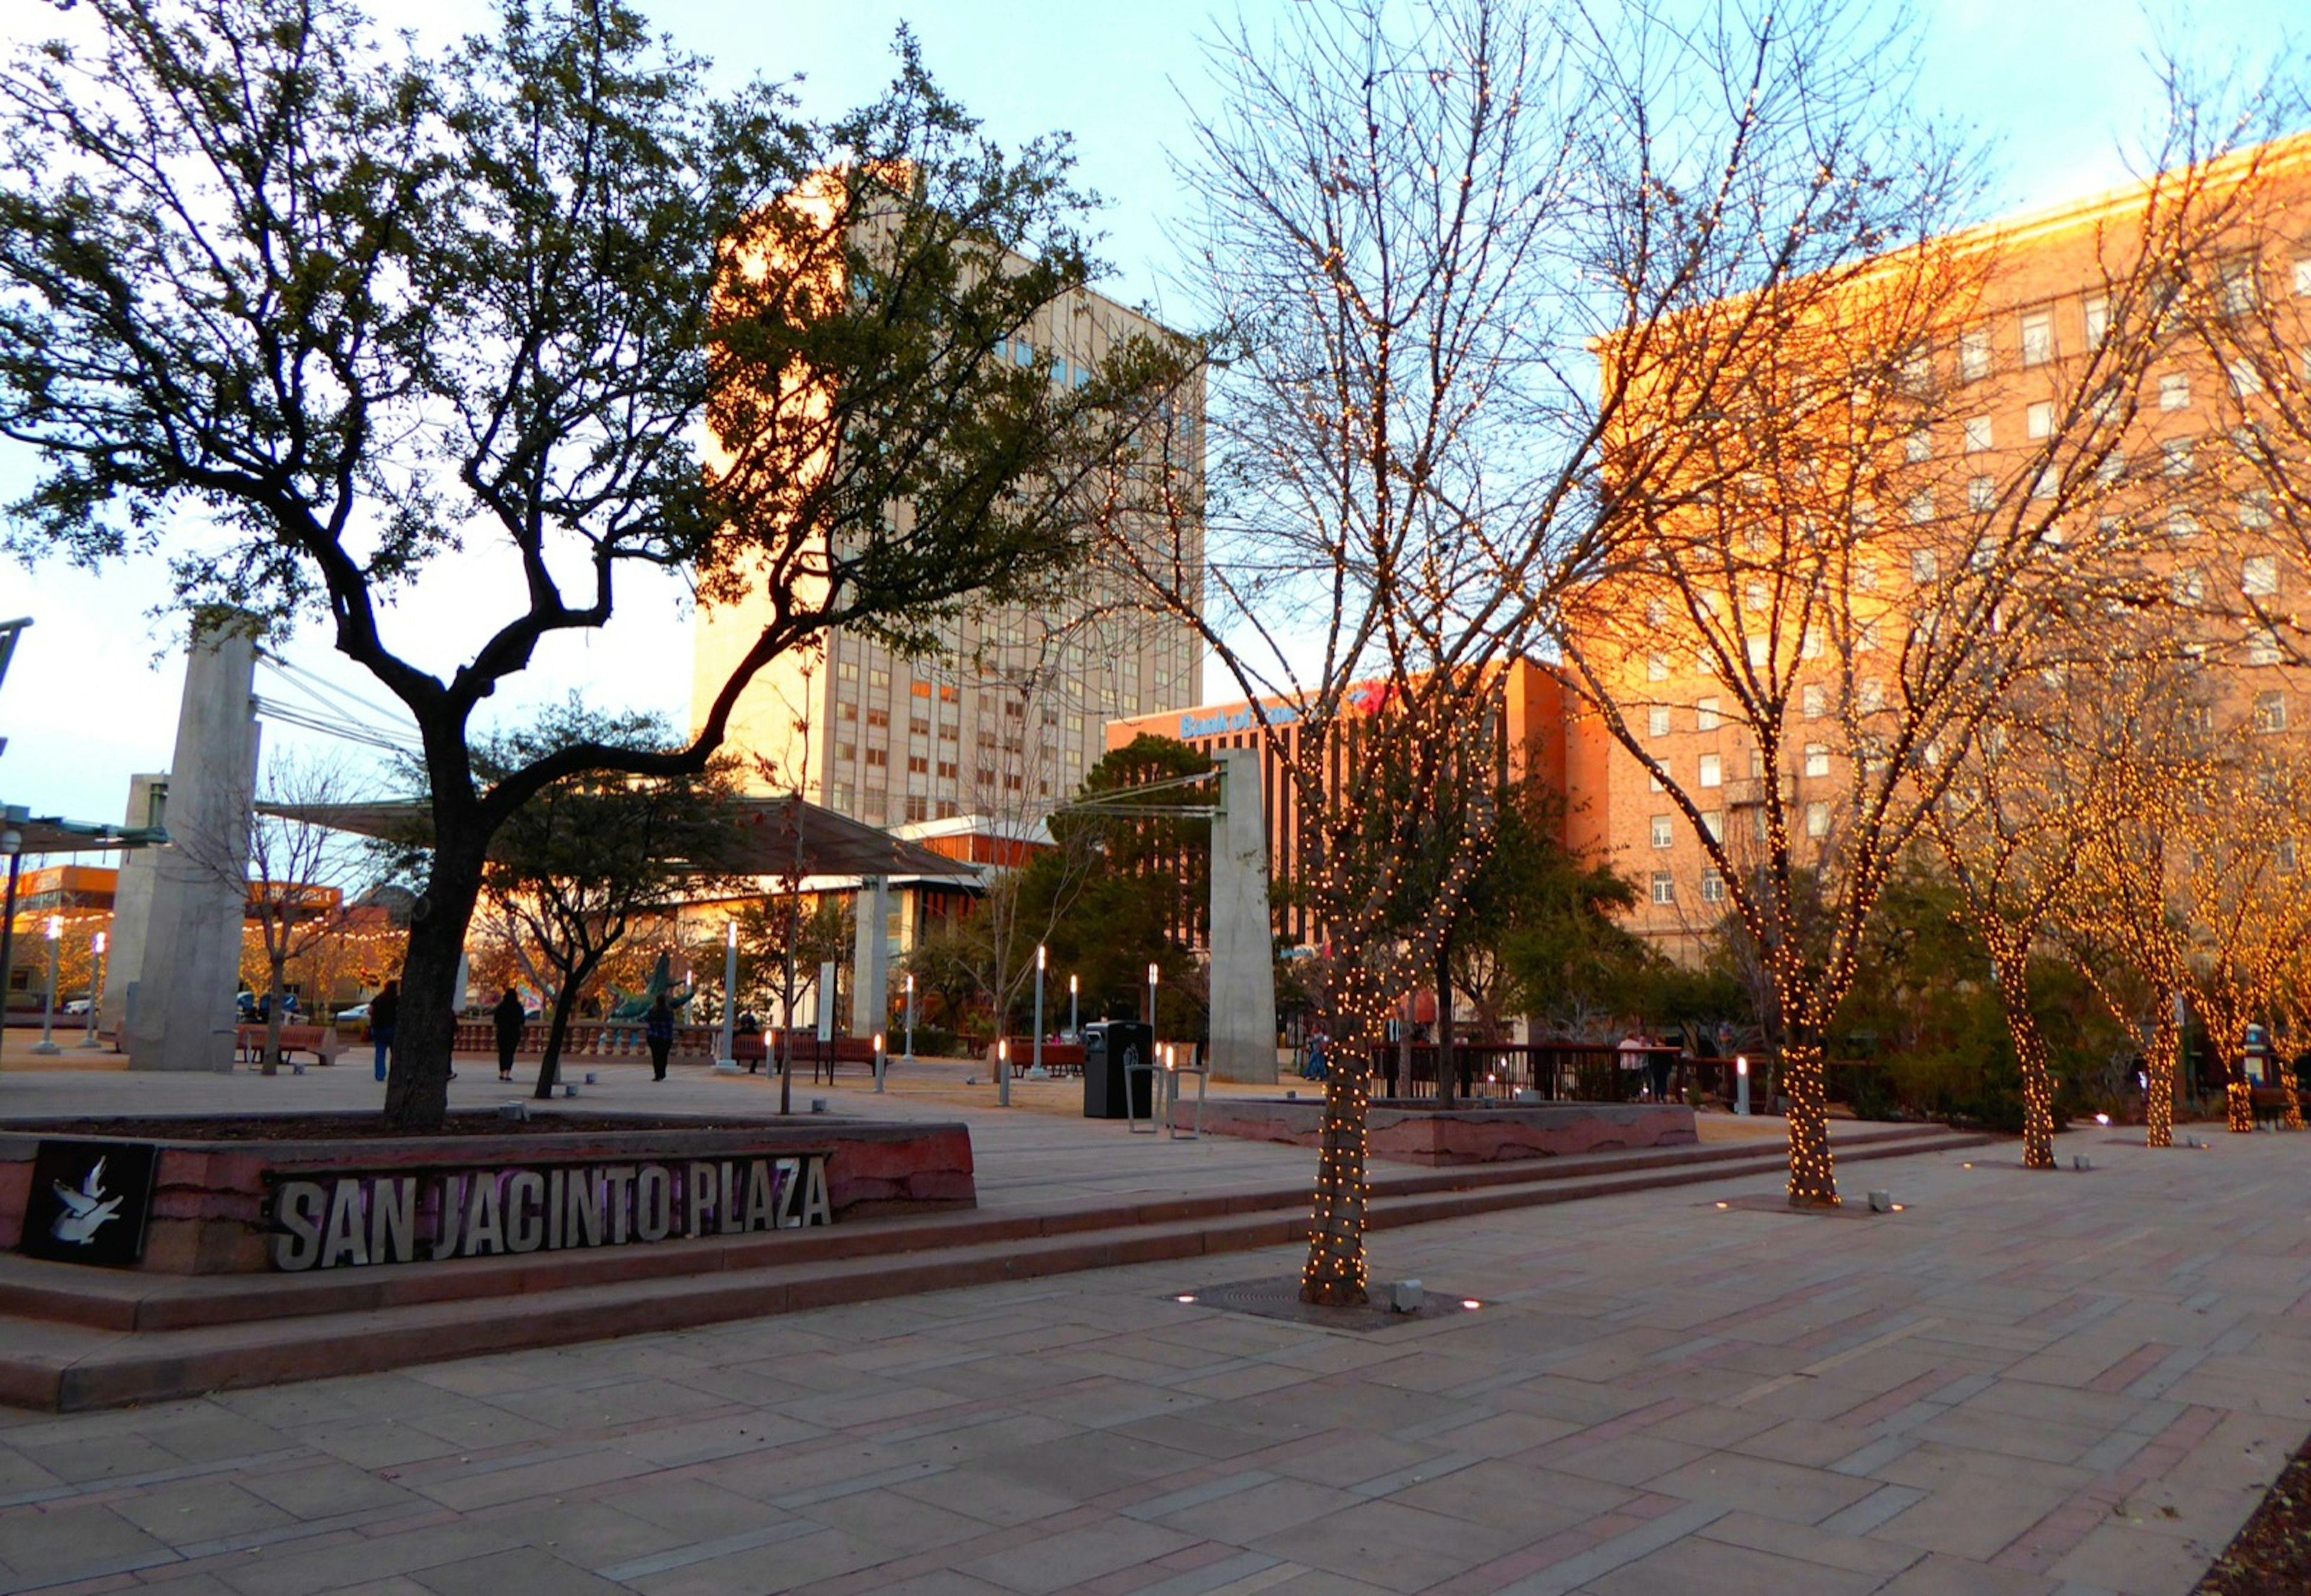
(1653, 782)
(878, 680)
(1713, 821)
(2039, 419)
(1713, 887)
(919, 727)
(2236, 296)
(1977, 435)
(1973, 354)
(2037, 338)
(918, 808)
(2187, 589)
(946, 770)
(918, 765)
(1864, 577)
(1982, 495)
(846, 671)
(1656, 668)
(1925, 566)
(1865, 637)
(919, 689)
(1657, 720)
(1918, 446)
(1656, 613)
(1869, 696)
(947, 809)
(2303, 277)
(2246, 381)
(2113, 467)
(1705, 713)
(2270, 711)
(2177, 451)
(2282, 856)
(840, 797)
(846, 711)
(2259, 576)
(2098, 308)
(1665, 887)
(876, 717)
(1922, 508)
(2181, 523)
(1817, 759)
(2175, 391)
(1713, 771)
(844, 753)
(1817, 820)
(1813, 702)
(877, 759)
(1754, 596)
(1664, 832)
(2262, 646)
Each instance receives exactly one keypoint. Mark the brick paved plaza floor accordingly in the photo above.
(2023, 1383)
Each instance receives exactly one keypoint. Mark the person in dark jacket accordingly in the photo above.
(658, 1030)
(384, 1009)
(509, 1017)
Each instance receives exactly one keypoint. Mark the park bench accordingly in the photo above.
(1060, 1058)
(321, 1040)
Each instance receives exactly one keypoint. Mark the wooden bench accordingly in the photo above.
(321, 1040)
(1060, 1058)
(749, 1048)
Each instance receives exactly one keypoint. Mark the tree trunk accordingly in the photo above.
(2159, 1085)
(1801, 1078)
(271, 1065)
(2285, 1072)
(557, 1033)
(2031, 1053)
(418, 1087)
(1335, 1273)
(1447, 1081)
(2239, 1097)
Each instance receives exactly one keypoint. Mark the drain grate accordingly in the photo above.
(1280, 1299)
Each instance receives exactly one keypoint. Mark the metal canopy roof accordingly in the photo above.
(53, 833)
(775, 836)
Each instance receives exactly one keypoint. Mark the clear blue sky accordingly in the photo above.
(2059, 85)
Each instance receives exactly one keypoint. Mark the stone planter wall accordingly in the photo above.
(1414, 1132)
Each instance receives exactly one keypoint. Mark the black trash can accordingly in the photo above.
(1107, 1048)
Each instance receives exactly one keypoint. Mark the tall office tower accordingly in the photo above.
(1006, 717)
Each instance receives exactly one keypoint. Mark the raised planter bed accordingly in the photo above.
(210, 1210)
(1417, 1131)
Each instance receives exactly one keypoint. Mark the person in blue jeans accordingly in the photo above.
(384, 1009)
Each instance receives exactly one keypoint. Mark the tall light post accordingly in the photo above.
(729, 993)
(11, 844)
(1152, 974)
(46, 1044)
(909, 1054)
(95, 985)
(1075, 1026)
(1041, 953)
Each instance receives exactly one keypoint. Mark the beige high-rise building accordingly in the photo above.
(1004, 721)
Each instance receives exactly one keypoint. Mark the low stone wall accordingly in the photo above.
(208, 1209)
(1419, 1132)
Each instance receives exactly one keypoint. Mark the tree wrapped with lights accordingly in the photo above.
(1872, 573)
(1423, 224)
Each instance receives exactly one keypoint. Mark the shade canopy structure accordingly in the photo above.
(53, 833)
(784, 836)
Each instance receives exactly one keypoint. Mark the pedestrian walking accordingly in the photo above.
(384, 1010)
(510, 1018)
(658, 1030)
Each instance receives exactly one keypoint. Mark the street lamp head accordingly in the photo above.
(1041, 951)
(1072, 986)
(11, 842)
(732, 935)
(56, 927)
(1151, 975)
(96, 944)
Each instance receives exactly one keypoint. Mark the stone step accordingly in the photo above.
(32, 1288)
(63, 1366)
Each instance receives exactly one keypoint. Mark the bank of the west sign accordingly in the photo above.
(333, 1219)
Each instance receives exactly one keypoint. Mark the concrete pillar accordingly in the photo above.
(132, 902)
(871, 958)
(1243, 952)
(188, 962)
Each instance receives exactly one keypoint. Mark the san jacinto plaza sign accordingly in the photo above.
(344, 1218)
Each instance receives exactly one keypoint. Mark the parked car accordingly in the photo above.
(80, 1006)
(358, 1015)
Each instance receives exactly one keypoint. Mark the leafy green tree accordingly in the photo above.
(359, 310)
(589, 856)
(1146, 898)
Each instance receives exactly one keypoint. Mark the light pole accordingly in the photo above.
(1741, 1085)
(909, 1054)
(1040, 954)
(881, 1058)
(1151, 1000)
(46, 1044)
(1003, 1072)
(729, 993)
(1075, 1026)
(95, 985)
(12, 844)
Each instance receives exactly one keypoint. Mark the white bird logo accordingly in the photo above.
(86, 1210)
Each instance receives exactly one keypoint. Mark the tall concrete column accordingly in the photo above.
(190, 963)
(1244, 951)
(871, 958)
(132, 902)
